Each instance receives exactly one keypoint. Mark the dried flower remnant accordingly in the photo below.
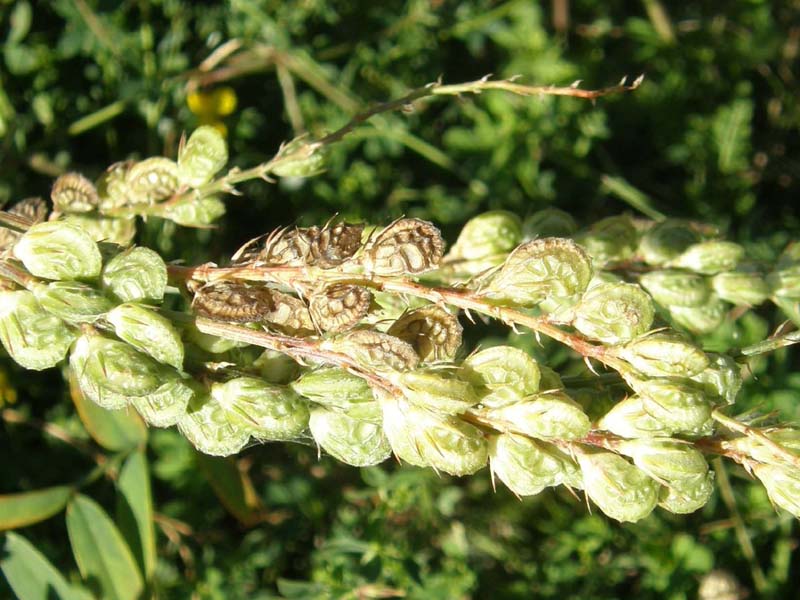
(433, 332)
(339, 307)
(406, 247)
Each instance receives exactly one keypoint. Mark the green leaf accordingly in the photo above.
(103, 558)
(26, 508)
(114, 430)
(135, 511)
(233, 487)
(731, 129)
(31, 576)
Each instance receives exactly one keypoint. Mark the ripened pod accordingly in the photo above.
(73, 193)
(147, 331)
(433, 332)
(203, 155)
(405, 247)
(34, 338)
(152, 180)
(59, 250)
(353, 441)
(136, 275)
(375, 350)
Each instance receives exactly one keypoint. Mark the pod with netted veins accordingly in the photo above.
(406, 247)
(237, 302)
(375, 350)
(433, 332)
(339, 307)
(74, 193)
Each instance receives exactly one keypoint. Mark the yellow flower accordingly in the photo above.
(8, 395)
(210, 106)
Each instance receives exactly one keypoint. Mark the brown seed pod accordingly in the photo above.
(234, 301)
(152, 180)
(287, 247)
(291, 316)
(339, 307)
(434, 333)
(377, 350)
(407, 246)
(73, 193)
(34, 209)
(333, 245)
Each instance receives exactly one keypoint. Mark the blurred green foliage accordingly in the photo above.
(710, 135)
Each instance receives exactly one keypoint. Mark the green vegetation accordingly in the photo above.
(643, 232)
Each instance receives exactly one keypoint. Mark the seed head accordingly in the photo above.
(353, 441)
(433, 332)
(59, 250)
(406, 247)
(202, 156)
(339, 307)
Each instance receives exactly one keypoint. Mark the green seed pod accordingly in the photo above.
(59, 250)
(72, 301)
(149, 332)
(152, 180)
(684, 496)
(352, 441)
(710, 258)
(375, 350)
(621, 490)
(783, 485)
(336, 389)
(741, 288)
(549, 222)
(784, 282)
(299, 158)
(676, 288)
(136, 275)
(73, 193)
(268, 412)
(207, 426)
(202, 156)
(550, 380)
(32, 337)
(111, 373)
(207, 342)
(630, 418)
(436, 390)
(112, 186)
(120, 231)
(501, 369)
(614, 313)
(433, 332)
(546, 416)
(34, 209)
(666, 240)
(527, 466)
(165, 406)
(679, 404)
(194, 212)
(613, 239)
(276, 367)
(664, 354)
(665, 460)
(788, 438)
(722, 378)
(700, 320)
(425, 439)
(543, 269)
(484, 242)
